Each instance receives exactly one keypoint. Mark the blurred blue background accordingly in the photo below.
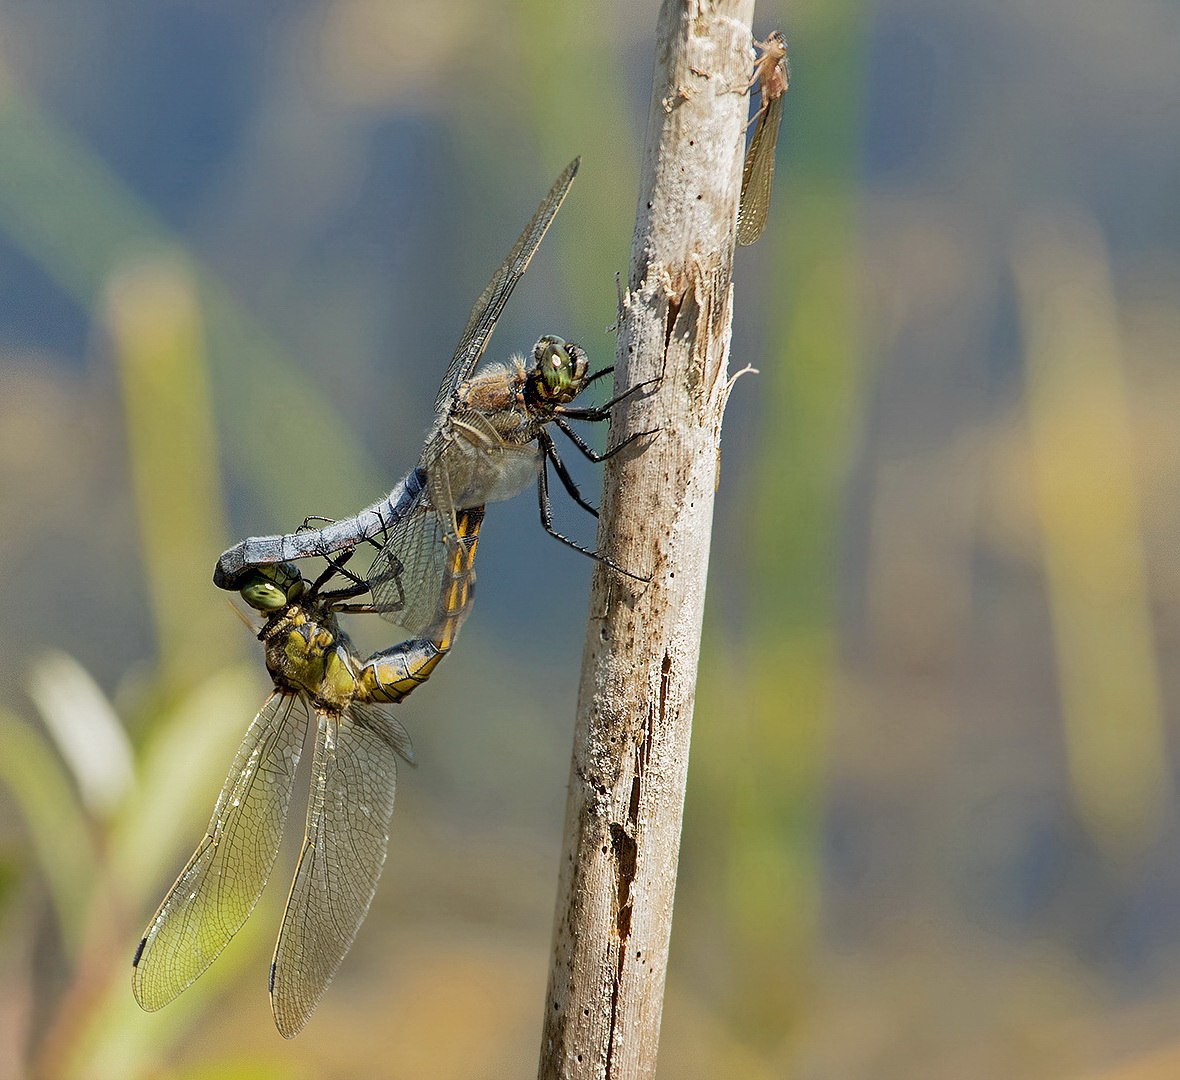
(932, 822)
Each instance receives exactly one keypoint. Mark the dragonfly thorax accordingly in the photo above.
(497, 393)
(306, 650)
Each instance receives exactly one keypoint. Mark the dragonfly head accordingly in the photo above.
(268, 588)
(560, 371)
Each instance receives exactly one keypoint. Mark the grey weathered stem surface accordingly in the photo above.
(630, 757)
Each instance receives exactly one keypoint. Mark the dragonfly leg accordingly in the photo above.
(336, 566)
(547, 522)
(598, 375)
(567, 481)
(602, 412)
(588, 450)
(745, 88)
(378, 607)
(333, 596)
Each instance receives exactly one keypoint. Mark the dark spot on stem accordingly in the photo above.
(626, 857)
(670, 325)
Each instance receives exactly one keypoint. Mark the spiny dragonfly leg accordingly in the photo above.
(336, 566)
(598, 375)
(356, 589)
(589, 450)
(547, 522)
(380, 607)
(602, 412)
(567, 481)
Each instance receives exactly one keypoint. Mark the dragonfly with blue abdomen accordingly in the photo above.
(316, 674)
(489, 440)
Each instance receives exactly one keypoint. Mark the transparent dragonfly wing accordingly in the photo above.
(353, 782)
(467, 465)
(479, 467)
(758, 173)
(406, 578)
(488, 308)
(216, 892)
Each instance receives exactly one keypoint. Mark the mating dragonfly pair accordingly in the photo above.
(490, 439)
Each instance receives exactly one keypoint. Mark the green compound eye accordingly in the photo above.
(553, 360)
(264, 596)
(561, 368)
(269, 588)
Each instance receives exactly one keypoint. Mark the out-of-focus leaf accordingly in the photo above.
(10, 877)
(122, 1042)
(155, 319)
(587, 115)
(88, 734)
(57, 824)
(1087, 497)
(62, 205)
(181, 769)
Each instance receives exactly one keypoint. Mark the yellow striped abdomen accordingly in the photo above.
(392, 674)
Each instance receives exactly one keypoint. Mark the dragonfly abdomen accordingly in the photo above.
(373, 521)
(393, 674)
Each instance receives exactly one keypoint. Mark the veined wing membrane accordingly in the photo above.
(488, 308)
(344, 847)
(218, 889)
(479, 466)
(406, 578)
(758, 173)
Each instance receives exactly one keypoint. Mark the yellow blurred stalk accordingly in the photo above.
(153, 313)
(72, 215)
(1087, 498)
(765, 712)
(585, 111)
